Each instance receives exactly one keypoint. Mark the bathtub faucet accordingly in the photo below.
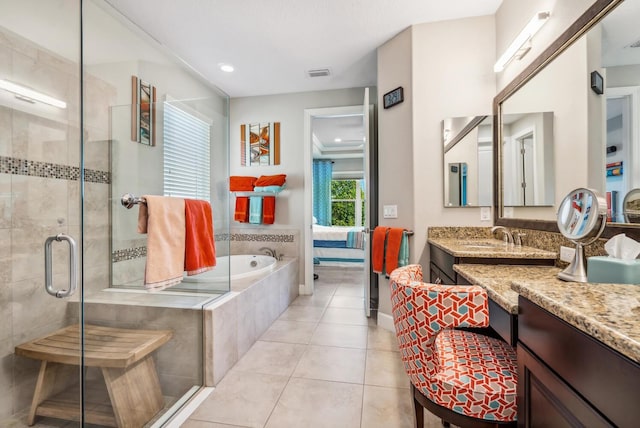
(270, 252)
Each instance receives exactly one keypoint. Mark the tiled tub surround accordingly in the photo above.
(608, 312)
(223, 326)
(235, 321)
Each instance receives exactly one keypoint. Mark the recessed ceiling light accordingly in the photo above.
(338, 140)
(227, 68)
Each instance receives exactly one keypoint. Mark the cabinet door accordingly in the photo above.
(544, 400)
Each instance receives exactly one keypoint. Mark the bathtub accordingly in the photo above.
(234, 267)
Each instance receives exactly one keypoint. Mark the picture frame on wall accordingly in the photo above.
(143, 112)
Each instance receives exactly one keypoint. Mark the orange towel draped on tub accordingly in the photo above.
(394, 239)
(162, 219)
(377, 250)
(200, 250)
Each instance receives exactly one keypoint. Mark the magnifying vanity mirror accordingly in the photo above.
(594, 138)
(581, 219)
(468, 161)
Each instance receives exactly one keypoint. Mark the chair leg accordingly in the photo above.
(417, 407)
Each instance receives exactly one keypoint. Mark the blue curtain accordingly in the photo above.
(322, 170)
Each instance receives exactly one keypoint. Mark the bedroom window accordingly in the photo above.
(347, 203)
(186, 154)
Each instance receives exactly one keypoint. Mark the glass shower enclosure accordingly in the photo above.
(92, 108)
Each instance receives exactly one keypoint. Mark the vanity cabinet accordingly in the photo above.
(568, 378)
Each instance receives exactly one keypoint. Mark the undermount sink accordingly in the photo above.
(483, 244)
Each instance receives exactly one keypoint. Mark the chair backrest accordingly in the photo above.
(422, 310)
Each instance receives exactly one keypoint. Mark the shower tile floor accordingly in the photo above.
(321, 364)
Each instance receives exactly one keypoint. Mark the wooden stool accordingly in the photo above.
(123, 355)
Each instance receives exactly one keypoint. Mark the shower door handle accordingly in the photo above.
(73, 266)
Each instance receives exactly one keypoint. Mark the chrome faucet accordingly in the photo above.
(269, 251)
(507, 237)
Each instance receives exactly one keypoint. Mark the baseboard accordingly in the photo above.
(304, 291)
(386, 321)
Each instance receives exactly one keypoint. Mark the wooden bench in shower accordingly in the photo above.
(133, 395)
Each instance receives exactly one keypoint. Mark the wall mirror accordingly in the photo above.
(468, 161)
(595, 138)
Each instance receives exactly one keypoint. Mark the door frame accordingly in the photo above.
(308, 287)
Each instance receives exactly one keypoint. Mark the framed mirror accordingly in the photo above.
(595, 136)
(467, 161)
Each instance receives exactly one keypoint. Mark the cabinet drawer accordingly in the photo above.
(504, 323)
(605, 378)
(544, 400)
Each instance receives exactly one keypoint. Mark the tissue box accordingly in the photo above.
(614, 271)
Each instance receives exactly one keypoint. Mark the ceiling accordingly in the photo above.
(272, 44)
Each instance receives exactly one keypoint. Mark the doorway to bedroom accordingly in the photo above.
(339, 187)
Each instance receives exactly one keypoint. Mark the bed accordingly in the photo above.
(338, 245)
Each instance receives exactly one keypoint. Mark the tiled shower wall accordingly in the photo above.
(40, 197)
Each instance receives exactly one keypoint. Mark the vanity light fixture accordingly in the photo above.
(30, 95)
(520, 42)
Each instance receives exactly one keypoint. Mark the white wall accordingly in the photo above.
(512, 16)
(288, 109)
(446, 69)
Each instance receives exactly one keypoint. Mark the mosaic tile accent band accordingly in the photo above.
(16, 166)
(257, 237)
(128, 254)
(138, 252)
(253, 237)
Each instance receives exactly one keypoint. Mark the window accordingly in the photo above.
(347, 203)
(186, 154)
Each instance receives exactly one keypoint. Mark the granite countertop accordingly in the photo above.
(608, 312)
(497, 279)
(489, 248)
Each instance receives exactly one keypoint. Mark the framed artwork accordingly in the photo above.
(260, 144)
(143, 112)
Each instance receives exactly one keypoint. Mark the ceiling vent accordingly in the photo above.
(318, 72)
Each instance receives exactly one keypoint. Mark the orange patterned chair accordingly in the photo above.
(464, 378)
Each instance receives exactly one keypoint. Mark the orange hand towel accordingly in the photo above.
(162, 219)
(393, 249)
(200, 248)
(241, 184)
(242, 209)
(268, 209)
(377, 250)
(271, 180)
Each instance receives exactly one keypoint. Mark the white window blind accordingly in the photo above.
(186, 154)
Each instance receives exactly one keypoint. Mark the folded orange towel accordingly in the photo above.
(242, 209)
(268, 209)
(239, 183)
(393, 249)
(200, 249)
(271, 180)
(377, 250)
(162, 219)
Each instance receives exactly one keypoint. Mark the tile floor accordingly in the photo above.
(321, 364)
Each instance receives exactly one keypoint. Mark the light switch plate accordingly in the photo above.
(390, 211)
(485, 213)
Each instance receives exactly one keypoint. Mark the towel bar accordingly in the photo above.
(128, 200)
(409, 232)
